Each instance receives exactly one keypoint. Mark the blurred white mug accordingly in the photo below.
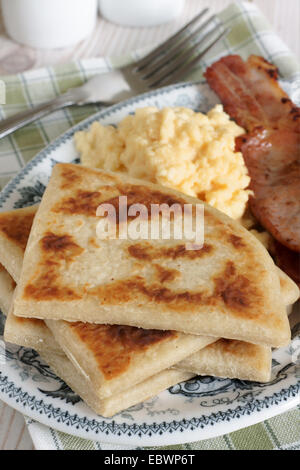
(49, 23)
(140, 12)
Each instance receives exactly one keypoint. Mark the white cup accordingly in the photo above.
(49, 23)
(140, 12)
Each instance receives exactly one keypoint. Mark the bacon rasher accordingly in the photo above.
(252, 96)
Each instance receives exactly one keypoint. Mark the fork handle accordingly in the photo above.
(11, 124)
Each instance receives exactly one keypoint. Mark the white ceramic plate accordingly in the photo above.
(199, 409)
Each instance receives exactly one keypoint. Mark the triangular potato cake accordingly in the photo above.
(35, 334)
(229, 288)
(249, 363)
(113, 404)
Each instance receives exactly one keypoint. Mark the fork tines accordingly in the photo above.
(178, 55)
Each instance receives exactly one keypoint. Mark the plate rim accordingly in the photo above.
(284, 397)
(128, 434)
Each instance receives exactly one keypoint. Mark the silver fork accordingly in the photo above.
(168, 63)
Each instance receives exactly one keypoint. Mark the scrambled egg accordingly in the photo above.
(178, 148)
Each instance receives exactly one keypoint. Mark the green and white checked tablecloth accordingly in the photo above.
(250, 34)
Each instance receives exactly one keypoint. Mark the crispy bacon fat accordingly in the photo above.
(273, 163)
(252, 96)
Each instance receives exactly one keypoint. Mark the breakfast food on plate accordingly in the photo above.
(252, 96)
(28, 332)
(215, 291)
(83, 362)
(176, 147)
(120, 319)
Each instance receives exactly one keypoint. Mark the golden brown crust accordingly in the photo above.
(236, 241)
(46, 283)
(86, 202)
(236, 290)
(113, 345)
(29, 321)
(234, 347)
(71, 177)
(83, 202)
(47, 286)
(139, 194)
(16, 226)
(59, 246)
(165, 274)
(233, 291)
(148, 253)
